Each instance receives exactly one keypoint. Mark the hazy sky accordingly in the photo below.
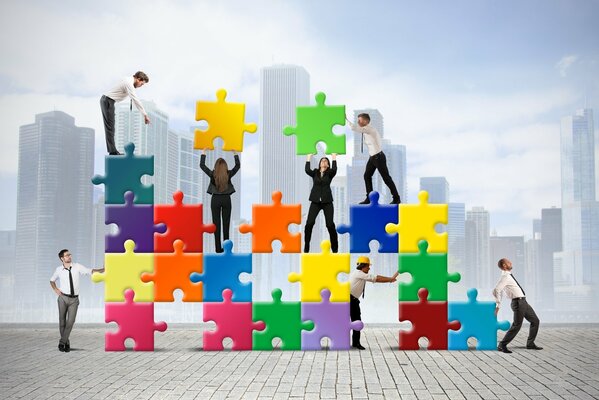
(475, 90)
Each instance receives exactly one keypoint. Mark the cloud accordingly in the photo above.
(565, 63)
(499, 149)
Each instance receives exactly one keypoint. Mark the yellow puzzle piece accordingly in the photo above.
(123, 271)
(417, 222)
(319, 271)
(225, 120)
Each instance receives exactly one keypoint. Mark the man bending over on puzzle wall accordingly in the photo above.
(357, 282)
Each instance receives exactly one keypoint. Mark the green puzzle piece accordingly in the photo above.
(315, 124)
(123, 174)
(283, 320)
(429, 271)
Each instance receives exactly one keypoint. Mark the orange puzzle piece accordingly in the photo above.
(271, 222)
(172, 271)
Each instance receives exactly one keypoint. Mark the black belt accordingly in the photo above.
(518, 298)
(72, 296)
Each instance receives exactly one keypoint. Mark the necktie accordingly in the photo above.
(71, 282)
(523, 292)
(364, 291)
(362, 148)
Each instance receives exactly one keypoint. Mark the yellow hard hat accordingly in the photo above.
(363, 260)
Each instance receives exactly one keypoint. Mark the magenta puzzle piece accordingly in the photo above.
(331, 320)
(135, 320)
(233, 320)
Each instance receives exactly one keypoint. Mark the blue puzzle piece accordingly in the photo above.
(221, 271)
(368, 223)
(478, 320)
(123, 173)
(135, 222)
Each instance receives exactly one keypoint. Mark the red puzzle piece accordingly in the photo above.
(270, 222)
(172, 271)
(233, 320)
(136, 321)
(429, 319)
(184, 222)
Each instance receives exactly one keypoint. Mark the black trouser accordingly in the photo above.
(107, 106)
(355, 315)
(522, 310)
(221, 205)
(379, 161)
(328, 210)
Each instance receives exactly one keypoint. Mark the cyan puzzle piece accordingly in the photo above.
(221, 271)
(368, 223)
(315, 124)
(428, 271)
(478, 320)
(225, 120)
(417, 222)
(123, 173)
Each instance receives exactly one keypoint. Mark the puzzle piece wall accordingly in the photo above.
(159, 249)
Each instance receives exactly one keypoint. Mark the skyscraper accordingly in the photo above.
(456, 232)
(437, 188)
(355, 172)
(551, 242)
(282, 89)
(7, 274)
(54, 201)
(580, 210)
(477, 239)
(190, 175)
(397, 163)
(151, 139)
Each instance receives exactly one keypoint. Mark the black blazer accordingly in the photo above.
(212, 187)
(321, 187)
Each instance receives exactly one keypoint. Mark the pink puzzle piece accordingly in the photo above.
(136, 321)
(233, 320)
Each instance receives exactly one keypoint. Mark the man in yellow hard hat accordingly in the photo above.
(357, 283)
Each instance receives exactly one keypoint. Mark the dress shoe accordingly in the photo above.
(367, 201)
(534, 347)
(67, 348)
(359, 346)
(61, 347)
(115, 153)
(503, 348)
(396, 200)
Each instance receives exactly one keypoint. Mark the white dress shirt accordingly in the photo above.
(507, 284)
(371, 137)
(62, 274)
(123, 89)
(357, 282)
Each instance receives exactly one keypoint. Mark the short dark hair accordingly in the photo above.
(501, 263)
(362, 265)
(61, 253)
(142, 76)
(365, 116)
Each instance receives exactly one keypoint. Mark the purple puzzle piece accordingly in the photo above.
(331, 320)
(135, 222)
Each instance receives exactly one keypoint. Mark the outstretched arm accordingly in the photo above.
(334, 168)
(236, 167)
(388, 279)
(204, 167)
(308, 170)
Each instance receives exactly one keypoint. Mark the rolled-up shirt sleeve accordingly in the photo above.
(84, 270)
(498, 291)
(54, 276)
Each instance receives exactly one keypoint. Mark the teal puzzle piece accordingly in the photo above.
(123, 173)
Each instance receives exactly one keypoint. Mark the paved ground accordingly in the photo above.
(32, 367)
